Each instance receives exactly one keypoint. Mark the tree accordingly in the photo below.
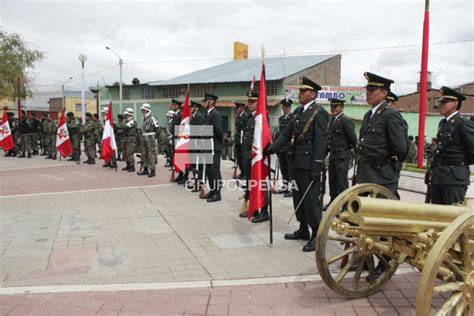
(15, 59)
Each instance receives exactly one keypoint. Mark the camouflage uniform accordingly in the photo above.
(119, 138)
(34, 125)
(24, 139)
(74, 129)
(43, 136)
(412, 153)
(88, 130)
(129, 140)
(148, 154)
(99, 130)
(50, 131)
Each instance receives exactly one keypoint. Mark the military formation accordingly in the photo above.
(310, 144)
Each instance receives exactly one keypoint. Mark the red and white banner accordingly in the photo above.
(261, 139)
(108, 138)
(6, 137)
(181, 154)
(63, 143)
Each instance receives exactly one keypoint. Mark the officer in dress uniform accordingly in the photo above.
(196, 121)
(213, 172)
(454, 153)
(382, 139)
(341, 140)
(307, 132)
(284, 153)
(175, 123)
(241, 118)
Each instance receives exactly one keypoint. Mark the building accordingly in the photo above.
(73, 102)
(231, 82)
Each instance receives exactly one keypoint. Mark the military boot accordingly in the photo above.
(151, 173)
(144, 172)
(132, 168)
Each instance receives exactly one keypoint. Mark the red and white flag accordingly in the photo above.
(108, 138)
(181, 154)
(63, 143)
(261, 139)
(6, 137)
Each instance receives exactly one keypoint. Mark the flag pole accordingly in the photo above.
(423, 85)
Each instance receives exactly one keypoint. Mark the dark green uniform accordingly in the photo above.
(240, 121)
(74, 129)
(89, 132)
(213, 172)
(130, 135)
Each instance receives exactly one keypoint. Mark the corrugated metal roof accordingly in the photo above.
(244, 70)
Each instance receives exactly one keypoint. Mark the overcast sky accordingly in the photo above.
(163, 39)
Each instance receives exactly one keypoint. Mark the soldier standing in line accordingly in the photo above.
(51, 131)
(213, 171)
(241, 118)
(196, 120)
(175, 123)
(119, 137)
(149, 129)
(98, 132)
(74, 129)
(43, 135)
(228, 144)
(34, 126)
(454, 153)
(412, 150)
(130, 136)
(307, 132)
(13, 122)
(284, 153)
(342, 140)
(24, 139)
(247, 144)
(169, 139)
(88, 131)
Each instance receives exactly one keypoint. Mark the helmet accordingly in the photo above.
(146, 107)
(128, 111)
(170, 113)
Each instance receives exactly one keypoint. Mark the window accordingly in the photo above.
(173, 91)
(272, 87)
(200, 89)
(147, 92)
(125, 93)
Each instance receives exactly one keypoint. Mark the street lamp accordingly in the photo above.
(62, 90)
(120, 83)
(82, 59)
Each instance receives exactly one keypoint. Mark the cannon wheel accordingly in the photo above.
(361, 283)
(454, 250)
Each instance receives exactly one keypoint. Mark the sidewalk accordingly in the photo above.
(72, 224)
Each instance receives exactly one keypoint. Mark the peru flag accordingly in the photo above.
(63, 143)
(261, 139)
(6, 138)
(108, 139)
(181, 153)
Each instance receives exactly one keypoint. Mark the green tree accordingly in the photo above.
(15, 59)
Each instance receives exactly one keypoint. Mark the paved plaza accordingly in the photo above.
(87, 240)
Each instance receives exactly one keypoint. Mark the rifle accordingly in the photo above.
(428, 186)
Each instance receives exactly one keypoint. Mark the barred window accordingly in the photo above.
(146, 92)
(272, 87)
(125, 93)
(173, 91)
(200, 89)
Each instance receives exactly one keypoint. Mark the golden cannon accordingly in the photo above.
(366, 227)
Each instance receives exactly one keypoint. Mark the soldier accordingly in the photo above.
(13, 122)
(196, 120)
(307, 132)
(74, 129)
(247, 146)
(119, 136)
(24, 139)
(148, 154)
(228, 142)
(89, 133)
(284, 153)
(51, 131)
(99, 129)
(241, 118)
(213, 171)
(169, 139)
(412, 150)
(175, 122)
(454, 153)
(130, 136)
(43, 135)
(34, 126)
(341, 140)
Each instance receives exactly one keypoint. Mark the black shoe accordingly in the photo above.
(91, 162)
(54, 157)
(297, 235)
(86, 161)
(214, 198)
(144, 172)
(127, 167)
(48, 157)
(182, 181)
(261, 217)
(71, 159)
(132, 168)
(21, 156)
(288, 194)
(208, 194)
(113, 166)
(29, 155)
(310, 245)
(151, 173)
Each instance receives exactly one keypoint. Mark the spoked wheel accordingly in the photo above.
(341, 264)
(449, 271)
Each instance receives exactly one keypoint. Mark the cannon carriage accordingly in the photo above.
(367, 233)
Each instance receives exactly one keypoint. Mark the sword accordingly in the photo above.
(301, 201)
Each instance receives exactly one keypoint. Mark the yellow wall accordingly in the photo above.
(91, 106)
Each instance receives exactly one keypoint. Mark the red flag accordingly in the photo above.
(6, 138)
(108, 138)
(63, 143)
(181, 156)
(261, 139)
